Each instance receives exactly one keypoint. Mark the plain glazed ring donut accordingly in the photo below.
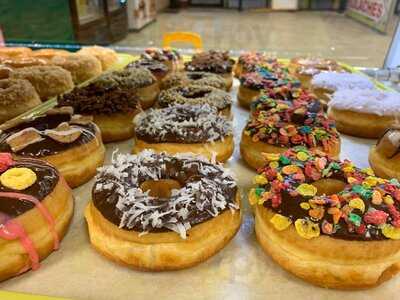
(107, 57)
(194, 94)
(364, 113)
(184, 128)
(82, 67)
(157, 212)
(327, 221)
(196, 78)
(48, 81)
(16, 97)
(71, 143)
(35, 211)
(140, 79)
(277, 125)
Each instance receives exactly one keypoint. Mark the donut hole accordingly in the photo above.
(194, 76)
(160, 188)
(329, 186)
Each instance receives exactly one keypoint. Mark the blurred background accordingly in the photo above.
(358, 32)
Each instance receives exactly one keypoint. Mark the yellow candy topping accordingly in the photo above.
(291, 169)
(307, 229)
(388, 200)
(253, 199)
(348, 168)
(274, 164)
(376, 198)
(260, 179)
(391, 232)
(368, 171)
(302, 156)
(305, 205)
(18, 178)
(271, 156)
(280, 222)
(370, 181)
(351, 180)
(305, 189)
(357, 203)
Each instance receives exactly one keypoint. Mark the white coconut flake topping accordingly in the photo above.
(183, 123)
(335, 81)
(382, 103)
(208, 190)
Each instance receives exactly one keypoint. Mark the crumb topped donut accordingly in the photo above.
(16, 97)
(112, 107)
(327, 221)
(158, 69)
(278, 125)
(196, 78)
(108, 57)
(72, 143)
(195, 94)
(160, 212)
(364, 113)
(36, 209)
(48, 81)
(185, 128)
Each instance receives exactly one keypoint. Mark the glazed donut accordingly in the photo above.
(71, 143)
(48, 81)
(364, 113)
(169, 57)
(278, 125)
(16, 97)
(327, 221)
(158, 69)
(325, 84)
(248, 61)
(111, 106)
(36, 209)
(48, 53)
(196, 78)
(383, 157)
(14, 51)
(82, 67)
(157, 212)
(107, 57)
(196, 129)
(140, 79)
(195, 94)
(212, 61)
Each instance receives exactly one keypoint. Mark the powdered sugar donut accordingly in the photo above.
(364, 113)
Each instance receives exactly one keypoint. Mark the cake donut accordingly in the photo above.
(364, 113)
(107, 57)
(197, 129)
(383, 157)
(280, 125)
(140, 79)
(14, 51)
(217, 62)
(169, 57)
(325, 84)
(195, 94)
(48, 81)
(248, 61)
(23, 61)
(158, 212)
(71, 143)
(35, 211)
(48, 53)
(197, 78)
(82, 67)
(327, 221)
(158, 69)
(111, 106)
(16, 97)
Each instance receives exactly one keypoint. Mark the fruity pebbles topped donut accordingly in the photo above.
(327, 221)
(248, 61)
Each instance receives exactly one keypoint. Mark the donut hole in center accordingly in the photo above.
(160, 188)
(197, 94)
(329, 186)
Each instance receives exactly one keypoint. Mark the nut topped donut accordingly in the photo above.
(160, 212)
(327, 221)
(278, 125)
(195, 94)
(170, 57)
(16, 97)
(36, 206)
(158, 69)
(72, 143)
(196, 78)
(185, 128)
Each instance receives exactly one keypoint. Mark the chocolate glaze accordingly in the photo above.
(47, 179)
(211, 61)
(157, 68)
(47, 146)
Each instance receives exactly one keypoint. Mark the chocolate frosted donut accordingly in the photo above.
(218, 62)
(194, 94)
(158, 69)
(161, 212)
(169, 57)
(196, 78)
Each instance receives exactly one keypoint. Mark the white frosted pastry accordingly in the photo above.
(335, 81)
